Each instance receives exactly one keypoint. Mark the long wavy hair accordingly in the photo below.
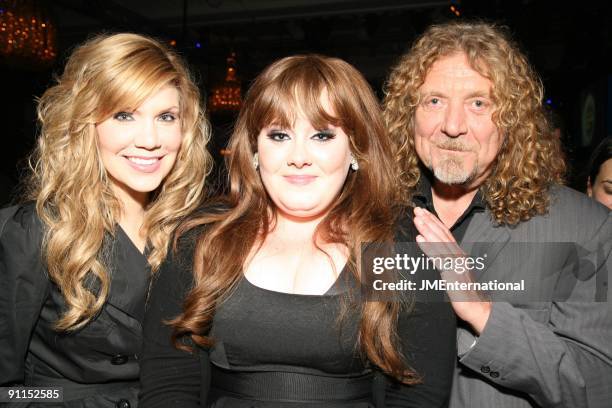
(365, 210)
(73, 194)
(530, 159)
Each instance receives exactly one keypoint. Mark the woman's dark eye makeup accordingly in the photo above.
(320, 135)
(167, 117)
(123, 115)
(324, 135)
(278, 135)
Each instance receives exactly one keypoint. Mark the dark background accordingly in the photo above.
(569, 45)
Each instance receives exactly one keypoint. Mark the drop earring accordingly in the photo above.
(256, 161)
(354, 164)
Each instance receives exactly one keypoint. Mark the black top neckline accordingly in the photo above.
(130, 243)
(330, 292)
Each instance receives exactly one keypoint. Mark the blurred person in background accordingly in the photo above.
(599, 182)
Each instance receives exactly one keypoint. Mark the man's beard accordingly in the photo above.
(450, 168)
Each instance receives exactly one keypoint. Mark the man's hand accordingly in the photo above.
(436, 240)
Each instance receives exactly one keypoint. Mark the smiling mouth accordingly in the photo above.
(143, 161)
(144, 164)
(300, 179)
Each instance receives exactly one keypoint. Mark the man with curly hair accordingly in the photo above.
(465, 110)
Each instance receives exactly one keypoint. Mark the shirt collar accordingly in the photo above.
(422, 197)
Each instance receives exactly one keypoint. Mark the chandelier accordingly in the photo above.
(26, 32)
(227, 96)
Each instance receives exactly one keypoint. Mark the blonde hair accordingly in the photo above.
(72, 191)
(530, 159)
(366, 210)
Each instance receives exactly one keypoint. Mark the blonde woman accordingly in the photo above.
(120, 159)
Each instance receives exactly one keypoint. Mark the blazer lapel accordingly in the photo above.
(484, 239)
(129, 276)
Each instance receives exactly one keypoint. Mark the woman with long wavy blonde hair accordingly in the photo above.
(120, 160)
(262, 284)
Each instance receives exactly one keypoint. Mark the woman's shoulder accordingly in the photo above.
(196, 225)
(21, 224)
(21, 235)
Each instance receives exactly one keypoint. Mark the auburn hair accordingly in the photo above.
(366, 209)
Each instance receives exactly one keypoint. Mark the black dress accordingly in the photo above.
(268, 342)
(97, 365)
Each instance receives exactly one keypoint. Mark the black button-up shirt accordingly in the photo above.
(423, 198)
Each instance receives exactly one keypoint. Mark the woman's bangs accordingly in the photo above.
(276, 109)
(318, 106)
(129, 90)
(283, 105)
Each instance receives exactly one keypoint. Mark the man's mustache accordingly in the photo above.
(454, 145)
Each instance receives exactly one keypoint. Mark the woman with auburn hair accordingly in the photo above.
(258, 304)
(120, 159)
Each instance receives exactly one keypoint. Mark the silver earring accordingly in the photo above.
(256, 161)
(354, 164)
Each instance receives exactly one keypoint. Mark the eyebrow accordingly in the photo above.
(475, 94)
(167, 109)
(479, 94)
(173, 107)
(433, 93)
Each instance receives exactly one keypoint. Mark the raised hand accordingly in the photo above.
(436, 240)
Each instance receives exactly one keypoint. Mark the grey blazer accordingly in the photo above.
(553, 348)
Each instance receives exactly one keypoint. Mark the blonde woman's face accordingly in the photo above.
(454, 131)
(138, 148)
(302, 168)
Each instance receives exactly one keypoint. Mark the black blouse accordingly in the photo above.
(96, 366)
(260, 330)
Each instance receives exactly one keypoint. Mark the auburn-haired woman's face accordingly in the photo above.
(138, 148)
(302, 168)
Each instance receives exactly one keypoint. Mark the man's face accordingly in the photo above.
(454, 132)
